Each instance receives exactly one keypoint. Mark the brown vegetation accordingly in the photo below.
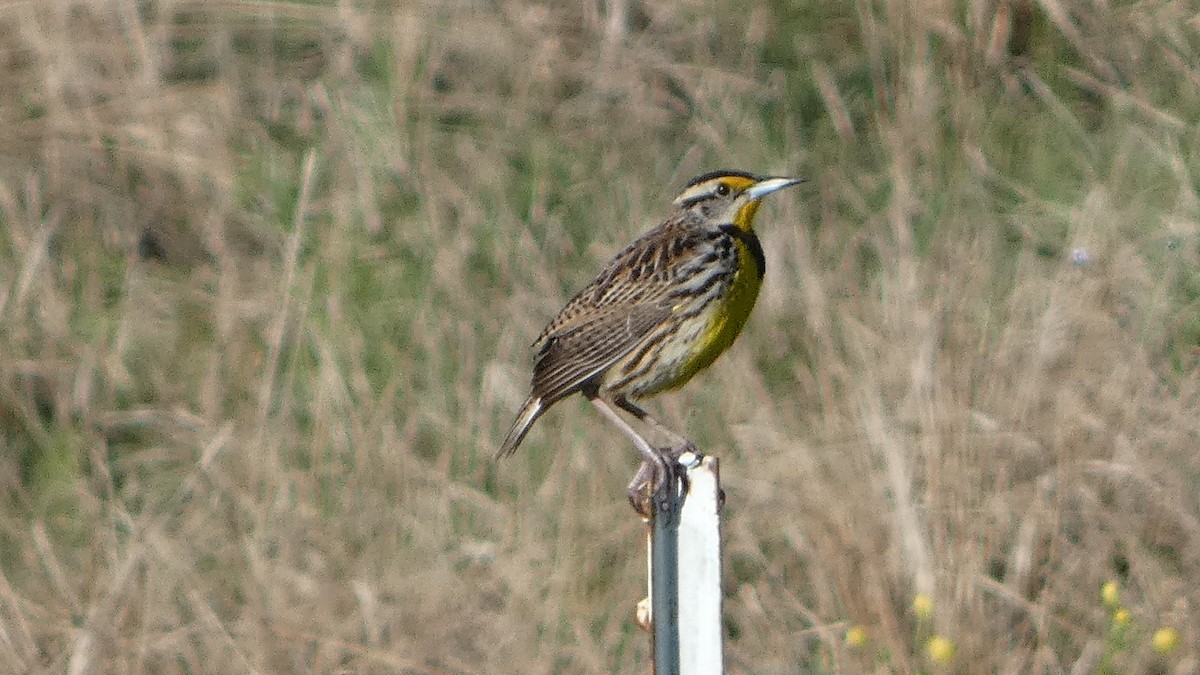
(268, 272)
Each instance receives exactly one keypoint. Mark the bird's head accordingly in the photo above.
(729, 197)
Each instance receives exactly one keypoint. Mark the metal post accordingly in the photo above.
(685, 573)
(664, 580)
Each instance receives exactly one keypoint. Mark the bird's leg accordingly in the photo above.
(656, 469)
(642, 490)
(679, 444)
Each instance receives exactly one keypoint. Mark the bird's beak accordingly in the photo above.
(766, 186)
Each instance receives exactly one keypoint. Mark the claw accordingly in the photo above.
(677, 451)
(650, 488)
(641, 489)
(664, 482)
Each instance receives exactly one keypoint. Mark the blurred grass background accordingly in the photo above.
(269, 270)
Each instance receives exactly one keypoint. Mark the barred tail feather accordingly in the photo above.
(532, 410)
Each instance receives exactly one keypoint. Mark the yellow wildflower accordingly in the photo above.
(1165, 640)
(856, 636)
(940, 649)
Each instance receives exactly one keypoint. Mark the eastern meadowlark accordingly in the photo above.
(661, 311)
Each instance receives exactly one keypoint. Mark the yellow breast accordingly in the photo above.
(729, 314)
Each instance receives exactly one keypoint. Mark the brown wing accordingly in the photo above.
(571, 357)
(616, 312)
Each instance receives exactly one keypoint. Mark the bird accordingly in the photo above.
(661, 311)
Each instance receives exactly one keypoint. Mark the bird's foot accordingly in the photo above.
(675, 452)
(650, 489)
(641, 489)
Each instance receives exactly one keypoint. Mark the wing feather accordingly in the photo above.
(618, 311)
(570, 358)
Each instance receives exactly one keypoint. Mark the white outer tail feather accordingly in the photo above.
(532, 410)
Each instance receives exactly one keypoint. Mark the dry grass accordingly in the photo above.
(268, 272)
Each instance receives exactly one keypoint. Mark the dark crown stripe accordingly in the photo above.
(719, 173)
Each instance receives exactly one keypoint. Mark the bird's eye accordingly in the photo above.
(722, 189)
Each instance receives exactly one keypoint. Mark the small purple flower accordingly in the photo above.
(1080, 256)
